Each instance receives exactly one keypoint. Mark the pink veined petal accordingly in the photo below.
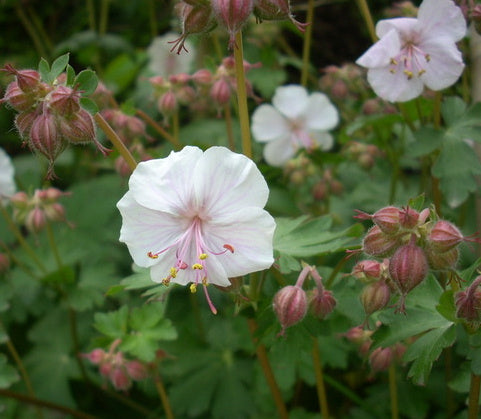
(323, 140)
(320, 114)
(145, 230)
(394, 87)
(225, 181)
(442, 18)
(380, 54)
(250, 231)
(404, 26)
(165, 184)
(277, 153)
(290, 100)
(268, 123)
(445, 65)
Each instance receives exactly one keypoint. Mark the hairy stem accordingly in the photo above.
(366, 14)
(242, 96)
(228, 126)
(306, 48)
(393, 392)
(159, 385)
(320, 385)
(148, 119)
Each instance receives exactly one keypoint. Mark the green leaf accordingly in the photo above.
(456, 167)
(64, 275)
(44, 69)
(70, 75)
(453, 109)
(89, 105)
(446, 306)
(113, 324)
(425, 350)
(427, 140)
(8, 374)
(86, 82)
(58, 66)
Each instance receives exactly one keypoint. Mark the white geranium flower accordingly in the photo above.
(163, 62)
(294, 120)
(7, 183)
(416, 52)
(197, 217)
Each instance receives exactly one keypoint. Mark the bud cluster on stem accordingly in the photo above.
(411, 243)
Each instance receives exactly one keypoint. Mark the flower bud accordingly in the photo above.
(36, 220)
(17, 98)
(358, 335)
(28, 80)
(321, 302)
(368, 270)
(381, 359)
(65, 100)
(167, 103)
(232, 14)
(379, 244)
(444, 236)
(375, 296)
(136, 370)
(119, 378)
(290, 306)
(442, 261)
(468, 303)
(79, 128)
(276, 10)
(408, 267)
(24, 122)
(387, 219)
(221, 91)
(96, 356)
(408, 218)
(202, 76)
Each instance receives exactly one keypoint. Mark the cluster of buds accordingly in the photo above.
(468, 305)
(402, 9)
(345, 82)
(138, 152)
(291, 303)
(201, 89)
(49, 114)
(127, 127)
(364, 154)
(326, 186)
(380, 359)
(199, 16)
(299, 169)
(410, 244)
(37, 210)
(116, 368)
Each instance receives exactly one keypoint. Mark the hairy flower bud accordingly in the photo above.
(202, 76)
(444, 236)
(379, 244)
(408, 218)
(221, 91)
(232, 14)
(368, 270)
(119, 378)
(276, 10)
(387, 219)
(381, 359)
(442, 261)
(468, 303)
(36, 220)
(17, 98)
(28, 80)
(375, 296)
(24, 122)
(96, 356)
(136, 370)
(321, 302)
(290, 305)
(167, 103)
(65, 100)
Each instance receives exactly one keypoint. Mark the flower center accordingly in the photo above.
(192, 242)
(300, 136)
(411, 60)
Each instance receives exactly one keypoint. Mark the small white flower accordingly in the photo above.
(163, 62)
(7, 183)
(414, 52)
(294, 120)
(197, 217)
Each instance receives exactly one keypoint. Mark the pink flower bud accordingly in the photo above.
(442, 261)
(221, 91)
(36, 220)
(119, 378)
(65, 100)
(444, 236)
(320, 190)
(276, 10)
(387, 219)
(379, 244)
(96, 356)
(79, 128)
(167, 103)
(408, 218)
(136, 370)
(20, 200)
(28, 80)
(17, 98)
(408, 267)
(468, 303)
(375, 296)
(367, 270)
(55, 212)
(24, 122)
(321, 303)
(232, 14)
(381, 359)
(358, 335)
(202, 76)
(290, 305)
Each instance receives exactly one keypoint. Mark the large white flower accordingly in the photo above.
(294, 120)
(414, 52)
(198, 217)
(7, 183)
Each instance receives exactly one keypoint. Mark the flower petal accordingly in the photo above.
(394, 87)
(277, 153)
(145, 230)
(166, 184)
(250, 231)
(442, 18)
(226, 181)
(7, 183)
(380, 54)
(404, 26)
(320, 114)
(323, 140)
(268, 123)
(291, 100)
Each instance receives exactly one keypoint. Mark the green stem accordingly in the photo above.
(18, 262)
(473, 404)
(320, 385)
(91, 13)
(116, 141)
(147, 118)
(366, 14)
(43, 403)
(448, 374)
(393, 392)
(267, 370)
(175, 129)
(242, 96)
(53, 246)
(152, 19)
(31, 31)
(228, 125)
(40, 29)
(159, 385)
(306, 48)
(438, 98)
(104, 16)
(18, 235)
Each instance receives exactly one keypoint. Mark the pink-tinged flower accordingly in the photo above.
(294, 120)
(7, 183)
(197, 217)
(416, 52)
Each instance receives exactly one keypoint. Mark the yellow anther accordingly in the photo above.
(204, 281)
(152, 255)
(409, 74)
(193, 288)
(393, 61)
(203, 256)
(197, 266)
(428, 57)
(173, 272)
(166, 281)
(392, 71)
(421, 72)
